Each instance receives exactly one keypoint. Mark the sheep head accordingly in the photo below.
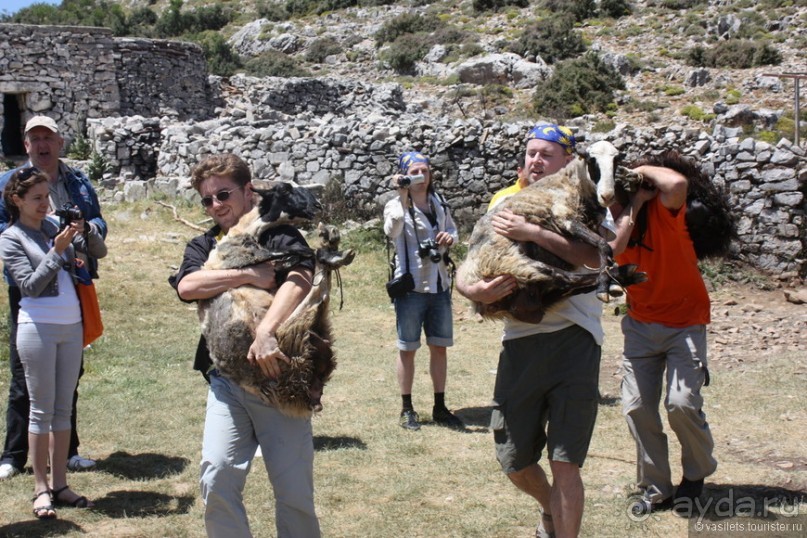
(601, 158)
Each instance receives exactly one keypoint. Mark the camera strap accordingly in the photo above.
(452, 269)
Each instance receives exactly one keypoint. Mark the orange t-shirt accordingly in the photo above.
(674, 294)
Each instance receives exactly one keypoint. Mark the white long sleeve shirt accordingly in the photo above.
(398, 225)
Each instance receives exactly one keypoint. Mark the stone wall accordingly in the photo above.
(359, 147)
(65, 72)
(162, 78)
(74, 74)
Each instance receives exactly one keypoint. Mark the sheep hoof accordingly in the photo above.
(615, 290)
(604, 296)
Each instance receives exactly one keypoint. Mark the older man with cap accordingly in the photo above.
(546, 383)
(68, 186)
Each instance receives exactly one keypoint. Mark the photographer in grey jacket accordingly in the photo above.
(41, 259)
(67, 186)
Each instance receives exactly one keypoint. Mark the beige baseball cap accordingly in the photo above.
(41, 121)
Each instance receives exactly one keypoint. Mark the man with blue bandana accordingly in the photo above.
(546, 382)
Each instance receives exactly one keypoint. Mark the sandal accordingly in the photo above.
(540, 530)
(78, 502)
(45, 511)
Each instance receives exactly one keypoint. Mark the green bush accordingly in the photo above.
(316, 7)
(97, 166)
(272, 10)
(175, 22)
(579, 9)
(402, 54)
(406, 23)
(220, 57)
(552, 38)
(734, 53)
(614, 8)
(672, 91)
(579, 86)
(603, 126)
(480, 6)
(696, 113)
(274, 64)
(80, 148)
(319, 49)
(733, 97)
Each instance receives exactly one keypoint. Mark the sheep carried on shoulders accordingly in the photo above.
(229, 320)
(570, 202)
(710, 222)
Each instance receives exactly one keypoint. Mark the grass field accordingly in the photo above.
(142, 406)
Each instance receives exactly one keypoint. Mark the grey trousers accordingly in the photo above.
(51, 357)
(236, 423)
(649, 349)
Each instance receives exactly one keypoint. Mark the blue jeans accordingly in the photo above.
(430, 312)
(235, 424)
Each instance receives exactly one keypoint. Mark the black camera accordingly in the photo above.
(405, 181)
(428, 248)
(68, 214)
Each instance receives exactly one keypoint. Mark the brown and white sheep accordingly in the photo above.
(229, 319)
(571, 204)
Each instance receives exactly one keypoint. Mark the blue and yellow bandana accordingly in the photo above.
(409, 158)
(551, 132)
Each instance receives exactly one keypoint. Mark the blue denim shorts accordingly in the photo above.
(428, 311)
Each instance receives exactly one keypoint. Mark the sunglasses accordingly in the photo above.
(221, 196)
(26, 173)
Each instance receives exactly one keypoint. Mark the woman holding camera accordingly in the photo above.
(41, 259)
(419, 223)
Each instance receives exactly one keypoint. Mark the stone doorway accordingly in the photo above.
(13, 124)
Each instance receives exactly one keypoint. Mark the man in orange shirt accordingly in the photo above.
(665, 329)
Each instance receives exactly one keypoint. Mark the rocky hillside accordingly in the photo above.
(648, 47)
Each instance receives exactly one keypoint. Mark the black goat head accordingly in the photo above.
(285, 203)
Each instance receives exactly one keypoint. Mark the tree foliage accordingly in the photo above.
(578, 86)
(552, 39)
(734, 53)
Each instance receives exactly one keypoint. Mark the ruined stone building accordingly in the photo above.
(75, 73)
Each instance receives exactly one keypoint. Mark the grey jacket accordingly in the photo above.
(33, 265)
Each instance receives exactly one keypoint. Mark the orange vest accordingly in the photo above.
(674, 294)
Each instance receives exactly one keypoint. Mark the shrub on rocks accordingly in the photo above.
(552, 39)
(734, 53)
(274, 64)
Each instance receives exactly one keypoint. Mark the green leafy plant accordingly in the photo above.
(97, 167)
(672, 91)
(404, 53)
(274, 64)
(480, 6)
(696, 113)
(552, 38)
(321, 48)
(579, 9)
(80, 148)
(220, 57)
(579, 86)
(734, 53)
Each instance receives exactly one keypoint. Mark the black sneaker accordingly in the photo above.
(410, 420)
(446, 418)
(687, 494)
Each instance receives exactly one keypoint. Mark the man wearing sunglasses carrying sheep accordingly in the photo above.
(237, 422)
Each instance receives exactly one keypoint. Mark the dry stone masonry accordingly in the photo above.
(152, 112)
